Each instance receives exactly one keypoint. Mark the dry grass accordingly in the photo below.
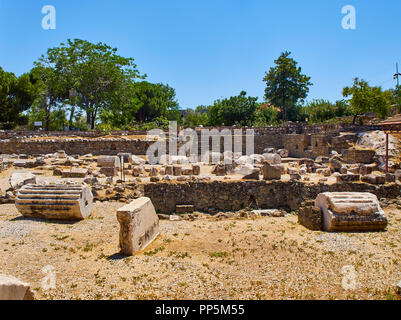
(264, 258)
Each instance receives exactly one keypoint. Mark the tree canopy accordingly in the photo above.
(286, 86)
(93, 72)
(234, 110)
(364, 98)
(17, 95)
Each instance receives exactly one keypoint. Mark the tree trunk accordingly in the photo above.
(354, 121)
(93, 120)
(47, 120)
(71, 117)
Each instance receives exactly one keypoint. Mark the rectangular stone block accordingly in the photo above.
(348, 177)
(351, 211)
(14, 289)
(139, 225)
(109, 171)
(310, 217)
(75, 173)
(108, 161)
(184, 208)
(271, 172)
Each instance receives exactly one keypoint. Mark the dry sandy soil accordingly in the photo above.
(261, 258)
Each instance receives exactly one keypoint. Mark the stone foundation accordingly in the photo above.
(236, 195)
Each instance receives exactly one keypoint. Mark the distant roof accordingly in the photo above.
(392, 121)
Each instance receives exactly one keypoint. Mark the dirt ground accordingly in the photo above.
(261, 258)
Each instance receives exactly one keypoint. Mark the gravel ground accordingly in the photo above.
(262, 258)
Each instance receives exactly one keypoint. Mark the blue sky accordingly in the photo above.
(211, 49)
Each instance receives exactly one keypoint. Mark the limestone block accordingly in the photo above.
(283, 153)
(335, 164)
(366, 169)
(257, 158)
(139, 225)
(177, 171)
(19, 179)
(109, 171)
(109, 162)
(196, 170)
(254, 175)
(75, 173)
(310, 217)
(219, 169)
(55, 201)
(184, 208)
(295, 176)
(13, 289)
(169, 170)
(272, 158)
(347, 177)
(374, 179)
(60, 154)
(187, 171)
(271, 172)
(358, 156)
(351, 211)
(154, 172)
(135, 160)
(138, 171)
(325, 171)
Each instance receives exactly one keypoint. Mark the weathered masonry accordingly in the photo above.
(236, 195)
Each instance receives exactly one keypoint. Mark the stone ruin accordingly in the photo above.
(351, 211)
(55, 201)
(14, 289)
(139, 225)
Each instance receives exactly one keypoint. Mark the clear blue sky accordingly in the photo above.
(215, 48)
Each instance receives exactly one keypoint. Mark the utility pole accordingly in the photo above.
(396, 77)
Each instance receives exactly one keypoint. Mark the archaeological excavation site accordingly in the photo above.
(314, 212)
(200, 159)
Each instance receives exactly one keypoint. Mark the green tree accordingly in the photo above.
(51, 91)
(364, 98)
(266, 114)
(94, 71)
(17, 94)
(195, 118)
(141, 102)
(320, 110)
(396, 97)
(237, 110)
(286, 86)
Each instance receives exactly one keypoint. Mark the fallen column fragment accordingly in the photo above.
(351, 211)
(13, 289)
(139, 225)
(55, 201)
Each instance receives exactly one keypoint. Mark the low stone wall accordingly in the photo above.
(300, 140)
(236, 195)
(81, 146)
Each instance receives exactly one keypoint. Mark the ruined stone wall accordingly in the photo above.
(235, 195)
(299, 139)
(74, 146)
